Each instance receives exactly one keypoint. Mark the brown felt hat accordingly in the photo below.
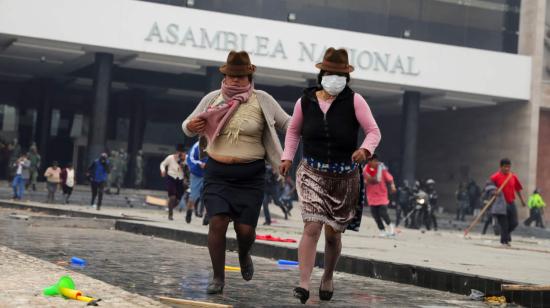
(335, 61)
(238, 64)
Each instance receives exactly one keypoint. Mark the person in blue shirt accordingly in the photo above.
(97, 174)
(196, 162)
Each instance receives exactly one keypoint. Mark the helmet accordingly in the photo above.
(430, 182)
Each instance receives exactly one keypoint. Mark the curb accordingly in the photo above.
(64, 212)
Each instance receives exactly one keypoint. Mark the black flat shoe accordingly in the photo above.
(325, 295)
(247, 270)
(215, 287)
(301, 294)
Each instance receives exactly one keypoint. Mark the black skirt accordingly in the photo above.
(235, 190)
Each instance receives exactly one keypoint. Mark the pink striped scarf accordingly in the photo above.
(217, 116)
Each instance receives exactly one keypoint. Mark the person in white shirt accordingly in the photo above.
(171, 169)
(21, 166)
(67, 178)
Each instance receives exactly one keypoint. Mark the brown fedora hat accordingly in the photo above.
(335, 61)
(238, 64)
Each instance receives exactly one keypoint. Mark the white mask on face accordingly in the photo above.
(333, 84)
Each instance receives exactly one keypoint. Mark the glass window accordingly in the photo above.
(456, 22)
(8, 118)
(56, 117)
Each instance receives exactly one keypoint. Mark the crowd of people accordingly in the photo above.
(105, 174)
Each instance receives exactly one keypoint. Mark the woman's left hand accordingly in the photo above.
(360, 156)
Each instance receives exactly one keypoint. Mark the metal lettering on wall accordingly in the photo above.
(263, 46)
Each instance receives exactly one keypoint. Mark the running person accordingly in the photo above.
(327, 118)
(240, 124)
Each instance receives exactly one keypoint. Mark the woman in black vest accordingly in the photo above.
(327, 118)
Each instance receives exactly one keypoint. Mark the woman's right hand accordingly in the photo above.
(196, 125)
(285, 167)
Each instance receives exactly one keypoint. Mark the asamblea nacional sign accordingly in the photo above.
(264, 46)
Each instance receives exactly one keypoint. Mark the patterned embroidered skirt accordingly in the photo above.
(327, 197)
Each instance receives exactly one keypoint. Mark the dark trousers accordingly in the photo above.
(401, 210)
(488, 221)
(97, 191)
(380, 213)
(461, 211)
(536, 216)
(67, 191)
(271, 194)
(507, 223)
(432, 219)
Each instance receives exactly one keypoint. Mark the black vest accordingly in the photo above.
(332, 137)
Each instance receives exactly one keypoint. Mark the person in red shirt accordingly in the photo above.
(377, 179)
(507, 217)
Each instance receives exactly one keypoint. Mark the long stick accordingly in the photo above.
(190, 303)
(523, 287)
(491, 201)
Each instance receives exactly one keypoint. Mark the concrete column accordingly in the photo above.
(214, 78)
(531, 43)
(137, 100)
(100, 105)
(44, 118)
(411, 110)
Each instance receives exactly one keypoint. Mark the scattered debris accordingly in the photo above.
(78, 261)
(232, 268)
(271, 238)
(476, 295)
(190, 303)
(156, 201)
(524, 287)
(287, 262)
(19, 216)
(495, 300)
(67, 289)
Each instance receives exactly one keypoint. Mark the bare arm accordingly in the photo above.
(520, 196)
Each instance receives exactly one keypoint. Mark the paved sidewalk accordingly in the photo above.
(448, 250)
(24, 277)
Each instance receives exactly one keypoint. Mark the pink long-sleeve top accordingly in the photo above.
(362, 113)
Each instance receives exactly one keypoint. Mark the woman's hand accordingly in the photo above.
(285, 167)
(360, 156)
(196, 125)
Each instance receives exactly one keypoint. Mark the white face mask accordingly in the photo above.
(333, 84)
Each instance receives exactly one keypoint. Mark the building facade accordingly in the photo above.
(455, 85)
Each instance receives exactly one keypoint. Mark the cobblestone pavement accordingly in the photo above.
(23, 277)
(151, 266)
(445, 249)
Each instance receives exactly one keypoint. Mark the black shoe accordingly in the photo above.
(215, 287)
(170, 217)
(205, 220)
(247, 270)
(301, 294)
(188, 216)
(325, 295)
(267, 223)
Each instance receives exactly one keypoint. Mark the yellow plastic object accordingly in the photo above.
(495, 300)
(64, 282)
(75, 294)
(232, 268)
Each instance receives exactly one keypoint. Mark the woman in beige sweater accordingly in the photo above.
(53, 178)
(240, 125)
